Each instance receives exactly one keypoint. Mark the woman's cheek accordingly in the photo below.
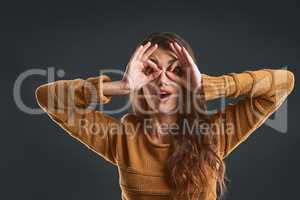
(174, 102)
(171, 106)
(150, 98)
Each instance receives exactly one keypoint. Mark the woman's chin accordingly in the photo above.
(165, 110)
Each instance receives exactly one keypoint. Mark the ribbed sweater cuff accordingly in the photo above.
(93, 90)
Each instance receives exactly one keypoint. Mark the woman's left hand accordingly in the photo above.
(191, 76)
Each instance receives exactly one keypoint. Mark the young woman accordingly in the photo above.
(169, 146)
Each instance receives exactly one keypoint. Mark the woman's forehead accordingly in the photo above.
(163, 54)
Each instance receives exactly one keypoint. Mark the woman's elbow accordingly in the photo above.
(290, 81)
(41, 95)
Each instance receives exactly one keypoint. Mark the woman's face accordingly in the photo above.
(162, 94)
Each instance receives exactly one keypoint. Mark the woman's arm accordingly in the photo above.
(263, 91)
(113, 88)
(66, 102)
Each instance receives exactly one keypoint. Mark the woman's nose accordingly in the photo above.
(163, 79)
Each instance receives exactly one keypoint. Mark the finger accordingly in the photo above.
(142, 51)
(176, 78)
(177, 66)
(180, 50)
(154, 75)
(174, 64)
(174, 49)
(149, 52)
(188, 56)
(177, 51)
(153, 65)
(134, 56)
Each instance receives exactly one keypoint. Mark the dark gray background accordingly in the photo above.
(40, 161)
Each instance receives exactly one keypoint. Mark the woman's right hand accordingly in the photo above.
(140, 70)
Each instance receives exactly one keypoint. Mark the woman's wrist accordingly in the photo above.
(125, 85)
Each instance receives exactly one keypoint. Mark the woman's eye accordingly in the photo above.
(177, 70)
(148, 70)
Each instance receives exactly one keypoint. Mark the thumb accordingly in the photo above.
(176, 78)
(154, 75)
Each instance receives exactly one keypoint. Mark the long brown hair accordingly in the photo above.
(194, 168)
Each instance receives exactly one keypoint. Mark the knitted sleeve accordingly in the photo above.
(262, 92)
(69, 103)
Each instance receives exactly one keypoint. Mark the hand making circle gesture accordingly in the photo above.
(136, 74)
(191, 76)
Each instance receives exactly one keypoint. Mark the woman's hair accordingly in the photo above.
(193, 168)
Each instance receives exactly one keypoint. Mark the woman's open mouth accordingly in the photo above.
(164, 95)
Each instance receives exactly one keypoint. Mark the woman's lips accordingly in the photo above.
(163, 95)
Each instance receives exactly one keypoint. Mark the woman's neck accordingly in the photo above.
(161, 125)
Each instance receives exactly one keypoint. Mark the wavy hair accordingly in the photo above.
(194, 169)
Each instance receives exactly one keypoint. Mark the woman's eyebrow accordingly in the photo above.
(154, 60)
(172, 61)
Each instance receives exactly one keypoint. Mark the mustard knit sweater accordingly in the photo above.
(140, 161)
